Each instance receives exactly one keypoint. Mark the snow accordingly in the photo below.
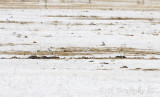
(77, 78)
(43, 26)
(39, 29)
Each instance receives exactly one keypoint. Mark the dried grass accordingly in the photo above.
(71, 51)
(132, 6)
(18, 22)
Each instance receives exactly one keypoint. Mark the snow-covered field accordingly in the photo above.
(79, 78)
(99, 52)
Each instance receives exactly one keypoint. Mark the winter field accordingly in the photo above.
(99, 49)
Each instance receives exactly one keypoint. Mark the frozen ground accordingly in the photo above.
(91, 45)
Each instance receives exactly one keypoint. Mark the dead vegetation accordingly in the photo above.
(73, 51)
(136, 69)
(120, 57)
(116, 18)
(84, 17)
(103, 69)
(12, 44)
(18, 22)
(129, 35)
(149, 69)
(124, 67)
(42, 57)
(104, 63)
(106, 6)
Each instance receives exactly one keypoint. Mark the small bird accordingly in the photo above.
(49, 49)
(37, 51)
(54, 54)
(103, 44)
(18, 35)
(88, 49)
(8, 21)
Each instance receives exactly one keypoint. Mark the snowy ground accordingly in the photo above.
(52, 29)
(88, 28)
(88, 42)
(78, 78)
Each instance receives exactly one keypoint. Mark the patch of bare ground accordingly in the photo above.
(136, 69)
(152, 69)
(104, 63)
(104, 69)
(153, 58)
(115, 18)
(79, 24)
(155, 22)
(124, 67)
(83, 17)
(113, 1)
(108, 58)
(106, 6)
(43, 57)
(73, 51)
(18, 22)
(12, 44)
(129, 35)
